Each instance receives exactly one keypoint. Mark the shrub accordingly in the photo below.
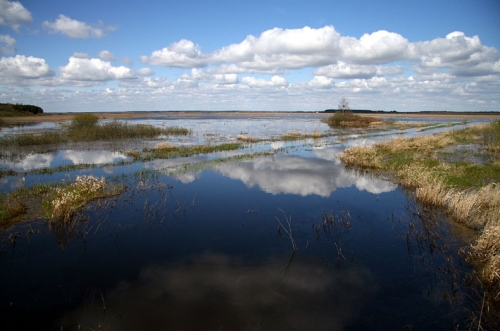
(348, 119)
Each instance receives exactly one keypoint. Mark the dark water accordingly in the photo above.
(210, 248)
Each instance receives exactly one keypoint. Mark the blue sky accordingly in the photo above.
(277, 55)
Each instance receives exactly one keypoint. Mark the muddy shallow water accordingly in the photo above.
(289, 240)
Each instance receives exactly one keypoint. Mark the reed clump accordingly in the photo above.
(62, 202)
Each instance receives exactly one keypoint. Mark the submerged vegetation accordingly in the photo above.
(467, 189)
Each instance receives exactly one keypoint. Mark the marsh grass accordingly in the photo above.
(16, 204)
(120, 130)
(350, 120)
(469, 192)
(10, 207)
(170, 151)
(63, 201)
(31, 139)
(85, 127)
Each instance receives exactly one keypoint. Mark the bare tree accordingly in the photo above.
(344, 105)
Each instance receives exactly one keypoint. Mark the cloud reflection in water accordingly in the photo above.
(215, 291)
(31, 161)
(92, 157)
(301, 176)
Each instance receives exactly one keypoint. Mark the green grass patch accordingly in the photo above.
(15, 204)
(10, 207)
(469, 175)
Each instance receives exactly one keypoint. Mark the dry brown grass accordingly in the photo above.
(362, 156)
(242, 137)
(164, 145)
(419, 143)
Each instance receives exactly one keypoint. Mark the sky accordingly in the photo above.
(259, 55)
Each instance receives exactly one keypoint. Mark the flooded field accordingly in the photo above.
(274, 235)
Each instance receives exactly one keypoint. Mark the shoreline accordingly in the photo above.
(63, 117)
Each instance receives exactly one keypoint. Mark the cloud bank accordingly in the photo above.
(280, 69)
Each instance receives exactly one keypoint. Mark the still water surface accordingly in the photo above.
(210, 247)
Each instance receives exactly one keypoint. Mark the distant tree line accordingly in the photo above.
(11, 108)
(428, 112)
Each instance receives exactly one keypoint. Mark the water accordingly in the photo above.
(210, 246)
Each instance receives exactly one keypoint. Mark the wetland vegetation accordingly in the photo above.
(182, 210)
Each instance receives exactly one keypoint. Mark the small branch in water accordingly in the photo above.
(103, 302)
(288, 229)
(339, 251)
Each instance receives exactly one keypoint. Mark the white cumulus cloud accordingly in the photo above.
(81, 69)
(283, 48)
(462, 55)
(210, 76)
(21, 66)
(76, 29)
(375, 48)
(13, 14)
(7, 44)
(276, 81)
(350, 71)
(380, 53)
(184, 54)
(106, 55)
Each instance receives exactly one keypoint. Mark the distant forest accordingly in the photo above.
(9, 109)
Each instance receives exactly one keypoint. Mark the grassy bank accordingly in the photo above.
(466, 185)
